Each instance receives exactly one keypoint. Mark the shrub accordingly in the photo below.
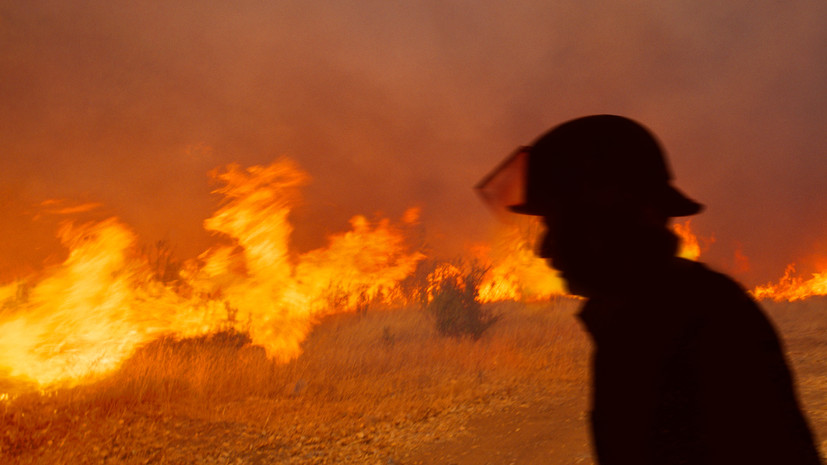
(453, 305)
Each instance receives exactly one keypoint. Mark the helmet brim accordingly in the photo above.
(670, 201)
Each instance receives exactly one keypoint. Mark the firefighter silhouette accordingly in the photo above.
(686, 367)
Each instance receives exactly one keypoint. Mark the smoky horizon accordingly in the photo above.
(124, 110)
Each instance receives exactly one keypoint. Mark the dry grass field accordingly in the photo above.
(375, 387)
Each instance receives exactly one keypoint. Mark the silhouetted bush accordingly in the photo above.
(454, 307)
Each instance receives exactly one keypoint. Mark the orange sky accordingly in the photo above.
(389, 105)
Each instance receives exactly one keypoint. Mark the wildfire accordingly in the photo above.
(789, 288)
(515, 272)
(443, 273)
(85, 316)
(792, 288)
(91, 312)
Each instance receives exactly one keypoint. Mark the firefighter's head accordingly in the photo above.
(603, 187)
(601, 161)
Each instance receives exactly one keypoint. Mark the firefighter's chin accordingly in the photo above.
(578, 285)
(575, 288)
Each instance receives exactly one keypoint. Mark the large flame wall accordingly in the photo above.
(83, 317)
(86, 315)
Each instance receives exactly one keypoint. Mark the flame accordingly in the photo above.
(60, 207)
(515, 272)
(357, 266)
(84, 317)
(792, 288)
(442, 274)
(690, 247)
(789, 287)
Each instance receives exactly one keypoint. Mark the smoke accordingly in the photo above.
(389, 105)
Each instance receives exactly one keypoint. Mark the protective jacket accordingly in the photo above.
(691, 371)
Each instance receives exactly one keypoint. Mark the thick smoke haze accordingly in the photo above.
(389, 105)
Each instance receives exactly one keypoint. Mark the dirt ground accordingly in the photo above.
(531, 427)
(554, 429)
(550, 430)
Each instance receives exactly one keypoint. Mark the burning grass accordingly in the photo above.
(370, 384)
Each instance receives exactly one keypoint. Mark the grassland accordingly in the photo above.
(372, 387)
